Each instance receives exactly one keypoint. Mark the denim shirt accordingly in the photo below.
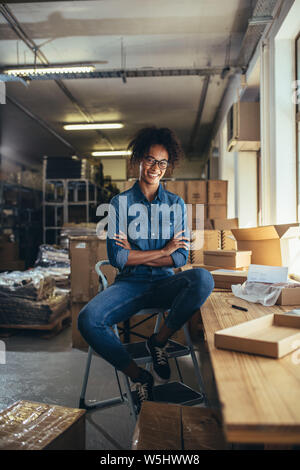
(152, 232)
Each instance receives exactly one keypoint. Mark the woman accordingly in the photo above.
(145, 249)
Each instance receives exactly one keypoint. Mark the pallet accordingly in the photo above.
(47, 331)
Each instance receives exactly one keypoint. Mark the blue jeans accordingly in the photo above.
(183, 293)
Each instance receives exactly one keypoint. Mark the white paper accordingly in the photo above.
(269, 274)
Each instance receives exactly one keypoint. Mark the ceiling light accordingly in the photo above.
(49, 70)
(111, 153)
(99, 125)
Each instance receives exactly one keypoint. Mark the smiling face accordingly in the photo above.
(153, 174)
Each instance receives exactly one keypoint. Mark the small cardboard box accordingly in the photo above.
(273, 245)
(217, 192)
(228, 259)
(27, 425)
(176, 187)
(224, 279)
(77, 340)
(196, 192)
(162, 426)
(289, 296)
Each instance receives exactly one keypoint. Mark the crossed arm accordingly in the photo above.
(154, 258)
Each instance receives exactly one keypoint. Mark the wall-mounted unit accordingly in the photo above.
(243, 127)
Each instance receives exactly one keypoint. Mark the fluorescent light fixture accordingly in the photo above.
(111, 153)
(99, 125)
(48, 70)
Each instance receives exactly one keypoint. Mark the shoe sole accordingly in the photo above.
(154, 373)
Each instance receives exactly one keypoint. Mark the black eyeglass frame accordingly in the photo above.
(154, 161)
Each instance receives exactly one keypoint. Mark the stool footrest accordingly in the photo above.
(141, 355)
(175, 392)
(89, 405)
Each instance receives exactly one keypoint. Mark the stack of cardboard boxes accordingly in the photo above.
(85, 252)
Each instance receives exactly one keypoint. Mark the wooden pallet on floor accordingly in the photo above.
(47, 331)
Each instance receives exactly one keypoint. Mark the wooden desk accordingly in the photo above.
(260, 396)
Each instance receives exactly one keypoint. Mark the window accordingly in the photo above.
(298, 117)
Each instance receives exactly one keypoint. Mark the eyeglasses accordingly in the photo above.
(150, 161)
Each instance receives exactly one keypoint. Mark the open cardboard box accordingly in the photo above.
(273, 245)
(273, 335)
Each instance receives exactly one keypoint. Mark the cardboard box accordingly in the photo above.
(196, 192)
(85, 252)
(209, 239)
(208, 267)
(217, 192)
(273, 245)
(289, 296)
(176, 187)
(77, 340)
(217, 211)
(162, 426)
(224, 280)
(273, 335)
(27, 425)
(228, 259)
(225, 224)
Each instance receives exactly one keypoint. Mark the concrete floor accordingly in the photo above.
(50, 371)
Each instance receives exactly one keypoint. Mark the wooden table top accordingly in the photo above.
(260, 396)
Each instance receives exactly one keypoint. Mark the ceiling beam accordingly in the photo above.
(19, 31)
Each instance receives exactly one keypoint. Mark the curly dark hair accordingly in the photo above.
(149, 136)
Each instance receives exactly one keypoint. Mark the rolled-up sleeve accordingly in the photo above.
(180, 256)
(117, 255)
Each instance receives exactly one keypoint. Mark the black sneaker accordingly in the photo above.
(159, 355)
(144, 388)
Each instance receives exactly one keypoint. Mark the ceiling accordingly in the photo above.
(130, 34)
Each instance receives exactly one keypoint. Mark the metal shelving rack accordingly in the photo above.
(62, 190)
